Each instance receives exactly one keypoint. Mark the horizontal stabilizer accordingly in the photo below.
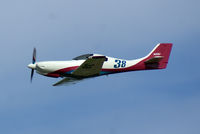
(155, 59)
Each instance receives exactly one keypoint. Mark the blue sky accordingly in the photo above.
(153, 102)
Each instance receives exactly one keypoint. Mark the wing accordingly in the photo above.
(67, 81)
(91, 67)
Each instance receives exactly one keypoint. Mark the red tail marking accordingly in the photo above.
(161, 50)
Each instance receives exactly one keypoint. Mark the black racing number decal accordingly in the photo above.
(120, 63)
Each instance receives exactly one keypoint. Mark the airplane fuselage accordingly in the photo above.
(65, 68)
(92, 65)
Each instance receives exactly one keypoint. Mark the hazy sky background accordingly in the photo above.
(145, 102)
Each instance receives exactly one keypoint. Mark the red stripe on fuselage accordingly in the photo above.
(138, 66)
(60, 72)
(64, 70)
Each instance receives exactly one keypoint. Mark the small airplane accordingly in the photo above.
(93, 65)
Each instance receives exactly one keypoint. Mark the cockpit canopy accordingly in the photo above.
(83, 57)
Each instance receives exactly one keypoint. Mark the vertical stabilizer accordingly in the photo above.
(159, 56)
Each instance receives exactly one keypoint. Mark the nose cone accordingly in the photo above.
(32, 66)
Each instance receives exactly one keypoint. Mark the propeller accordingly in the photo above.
(33, 63)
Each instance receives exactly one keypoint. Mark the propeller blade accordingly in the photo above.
(34, 56)
(32, 72)
(33, 62)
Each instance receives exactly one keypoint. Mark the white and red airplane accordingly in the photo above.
(93, 65)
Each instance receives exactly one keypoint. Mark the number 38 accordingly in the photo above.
(120, 64)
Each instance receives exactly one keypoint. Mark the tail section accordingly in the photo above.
(159, 56)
